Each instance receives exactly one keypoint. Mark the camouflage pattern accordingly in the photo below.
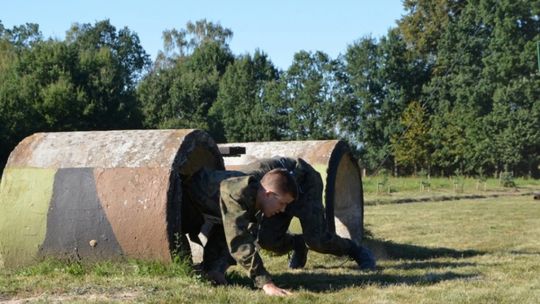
(98, 195)
(227, 199)
(308, 208)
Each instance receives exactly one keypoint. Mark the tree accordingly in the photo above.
(110, 63)
(240, 112)
(510, 65)
(124, 47)
(13, 109)
(425, 22)
(452, 138)
(84, 83)
(384, 77)
(21, 36)
(180, 93)
(182, 43)
(310, 96)
(411, 147)
(483, 70)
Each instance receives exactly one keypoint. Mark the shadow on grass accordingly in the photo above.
(388, 250)
(412, 257)
(326, 282)
(323, 282)
(430, 265)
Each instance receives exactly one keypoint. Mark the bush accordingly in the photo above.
(507, 180)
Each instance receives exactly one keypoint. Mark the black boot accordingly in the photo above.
(299, 254)
(363, 257)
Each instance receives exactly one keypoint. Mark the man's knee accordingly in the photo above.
(332, 245)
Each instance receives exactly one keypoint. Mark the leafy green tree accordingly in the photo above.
(383, 77)
(483, 69)
(452, 138)
(510, 65)
(15, 117)
(240, 112)
(118, 60)
(513, 137)
(21, 36)
(363, 67)
(310, 96)
(182, 43)
(181, 96)
(425, 22)
(183, 84)
(84, 83)
(411, 148)
(457, 94)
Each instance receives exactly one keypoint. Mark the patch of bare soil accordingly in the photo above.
(120, 296)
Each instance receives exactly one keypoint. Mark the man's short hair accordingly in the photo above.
(281, 181)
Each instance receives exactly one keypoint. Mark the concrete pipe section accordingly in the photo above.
(343, 194)
(98, 195)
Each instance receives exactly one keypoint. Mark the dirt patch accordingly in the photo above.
(120, 296)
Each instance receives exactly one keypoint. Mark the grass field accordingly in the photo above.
(466, 251)
(378, 190)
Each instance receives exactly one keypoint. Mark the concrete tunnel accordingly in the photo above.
(114, 194)
(98, 195)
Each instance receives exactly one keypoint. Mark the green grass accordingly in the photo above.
(466, 251)
(410, 188)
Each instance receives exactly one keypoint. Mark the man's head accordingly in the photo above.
(278, 189)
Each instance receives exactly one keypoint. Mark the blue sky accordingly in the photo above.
(280, 28)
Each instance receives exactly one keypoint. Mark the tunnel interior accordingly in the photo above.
(186, 220)
(348, 200)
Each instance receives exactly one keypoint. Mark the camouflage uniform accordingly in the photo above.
(227, 199)
(308, 208)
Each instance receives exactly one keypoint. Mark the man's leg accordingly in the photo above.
(216, 256)
(312, 217)
(320, 239)
(274, 236)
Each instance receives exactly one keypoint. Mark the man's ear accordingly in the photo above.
(269, 192)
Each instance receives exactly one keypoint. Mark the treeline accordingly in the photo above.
(454, 88)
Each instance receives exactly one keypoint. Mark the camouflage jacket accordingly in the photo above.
(237, 204)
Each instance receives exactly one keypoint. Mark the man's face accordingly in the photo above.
(273, 203)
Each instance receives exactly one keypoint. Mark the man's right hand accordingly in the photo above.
(272, 290)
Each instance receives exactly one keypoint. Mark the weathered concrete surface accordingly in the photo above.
(343, 194)
(76, 218)
(128, 207)
(99, 149)
(98, 195)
